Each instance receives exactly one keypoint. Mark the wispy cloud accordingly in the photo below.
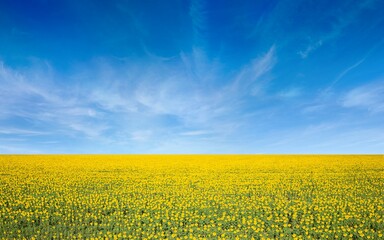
(133, 103)
(325, 137)
(341, 75)
(33, 96)
(7, 149)
(249, 79)
(198, 17)
(339, 25)
(289, 93)
(348, 69)
(141, 136)
(196, 133)
(20, 132)
(369, 97)
(312, 47)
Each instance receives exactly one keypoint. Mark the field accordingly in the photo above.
(191, 197)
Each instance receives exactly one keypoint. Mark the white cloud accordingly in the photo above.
(131, 103)
(249, 78)
(141, 136)
(341, 75)
(19, 131)
(6, 149)
(370, 97)
(310, 48)
(198, 17)
(31, 95)
(328, 137)
(196, 133)
(339, 25)
(289, 93)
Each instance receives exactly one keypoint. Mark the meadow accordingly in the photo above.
(191, 197)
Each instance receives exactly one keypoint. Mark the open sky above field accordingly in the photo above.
(191, 76)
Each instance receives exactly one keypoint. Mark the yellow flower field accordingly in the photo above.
(191, 197)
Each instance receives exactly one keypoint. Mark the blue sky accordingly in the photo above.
(191, 76)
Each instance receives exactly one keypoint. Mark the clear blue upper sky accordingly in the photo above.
(193, 76)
